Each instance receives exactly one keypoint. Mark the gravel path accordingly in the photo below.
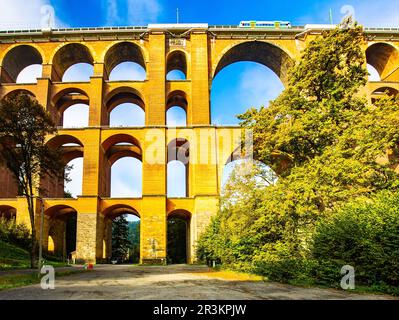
(168, 283)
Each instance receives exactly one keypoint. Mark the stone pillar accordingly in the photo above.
(155, 110)
(91, 163)
(154, 166)
(86, 237)
(97, 113)
(200, 108)
(205, 209)
(153, 230)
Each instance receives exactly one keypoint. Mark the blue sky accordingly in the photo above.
(236, 88)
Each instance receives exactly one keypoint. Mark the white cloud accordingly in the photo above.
(22, 14)
(143, 11)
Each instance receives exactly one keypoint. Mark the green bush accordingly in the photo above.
(14, 233)
(364, 235)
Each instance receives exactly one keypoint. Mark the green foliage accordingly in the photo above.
(134, 239)
(328, 147)
(120, 238)
(364, 235)
(14, 233)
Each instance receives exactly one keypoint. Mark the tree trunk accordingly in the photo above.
(33, 249)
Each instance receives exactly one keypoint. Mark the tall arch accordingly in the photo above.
(176, 99)
(176, 61)
(61, 229)
(71, 148)
(123, 52)
(116, 148)
(66, 99)
(16, 60)
(178, 248)
(384, 58)
(128, 97)
(178, 167)
(67, 56)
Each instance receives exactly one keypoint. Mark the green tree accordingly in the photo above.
(134, 238)
(323, 140)
(120, 238)
(24, 126)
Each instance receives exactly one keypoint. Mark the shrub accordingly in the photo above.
(364, 235)
(14, 233)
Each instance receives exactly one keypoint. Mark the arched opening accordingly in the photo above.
(383, 92)
(73, 186)
(72, 151)
(176, 66)
(125, 108)
(73, 55)
(385, 60)
(249, 74)
(178, 237)
(122, 167)
(61, 237)
(8, 213)
(176, 109)
(121, 242)
(178, 169)
(22, 64)
(127, 115)
(125, 61)
(71, 108)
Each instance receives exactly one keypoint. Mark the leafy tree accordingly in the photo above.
(327, 145)
(24, 126)
(120, 238)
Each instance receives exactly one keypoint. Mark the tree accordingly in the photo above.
(323, 140)
(24, 126)
(120, 238)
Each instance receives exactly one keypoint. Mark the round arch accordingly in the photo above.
(18, 58)
(177, 60)
(69, 55)
(119, 209)
(8, 212)
(123, 52)
(384, 57)
(268, 54)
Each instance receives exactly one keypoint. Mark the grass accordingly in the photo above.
(21, 280)
(13, 257)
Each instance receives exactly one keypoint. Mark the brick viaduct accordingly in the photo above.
(200, 52)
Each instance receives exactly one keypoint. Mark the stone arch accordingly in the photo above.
(268, 54)
(67, 98)
(179, 99)
(177, 60)
(180, 218)
(18, 58)
(179, 151)
(71, 148)
(384, 57)
(59, 219)
(8, 212)
(18, 91)
(115, 148)
(69, 55)
(118, 209)
(123, 52)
